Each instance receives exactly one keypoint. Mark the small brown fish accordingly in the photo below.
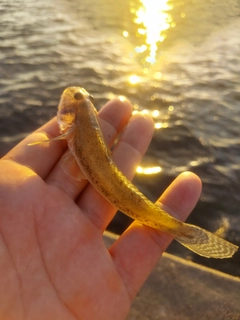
(78, 122)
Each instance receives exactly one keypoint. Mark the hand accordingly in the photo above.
(53, 262)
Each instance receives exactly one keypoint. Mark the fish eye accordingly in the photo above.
(91, 98)
(78, 96)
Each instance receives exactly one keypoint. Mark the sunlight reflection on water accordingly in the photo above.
(153, 18)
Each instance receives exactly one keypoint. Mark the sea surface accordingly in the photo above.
(177, 60)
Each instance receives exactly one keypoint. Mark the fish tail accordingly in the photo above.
(206, 244)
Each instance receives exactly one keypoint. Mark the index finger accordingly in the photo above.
(138, 249)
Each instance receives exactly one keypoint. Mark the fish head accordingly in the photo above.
(71, 99)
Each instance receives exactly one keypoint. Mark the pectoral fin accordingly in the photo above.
(63, 136)
(70, 166)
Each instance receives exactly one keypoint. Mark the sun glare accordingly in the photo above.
(134, 79)
(148, 170)
(153, 19)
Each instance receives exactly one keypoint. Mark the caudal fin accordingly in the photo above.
(207, 244)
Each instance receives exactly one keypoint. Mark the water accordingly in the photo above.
(189, 82)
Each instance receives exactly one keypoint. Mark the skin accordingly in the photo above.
(53, 262)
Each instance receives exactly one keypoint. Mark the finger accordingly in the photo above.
(112, 117)
(127, 154)
(42, 158)
(137, 251)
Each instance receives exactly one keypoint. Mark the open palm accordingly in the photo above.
(53, 261)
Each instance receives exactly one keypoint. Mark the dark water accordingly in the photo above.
(191, 87)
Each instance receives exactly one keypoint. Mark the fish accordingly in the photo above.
(78, 123)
